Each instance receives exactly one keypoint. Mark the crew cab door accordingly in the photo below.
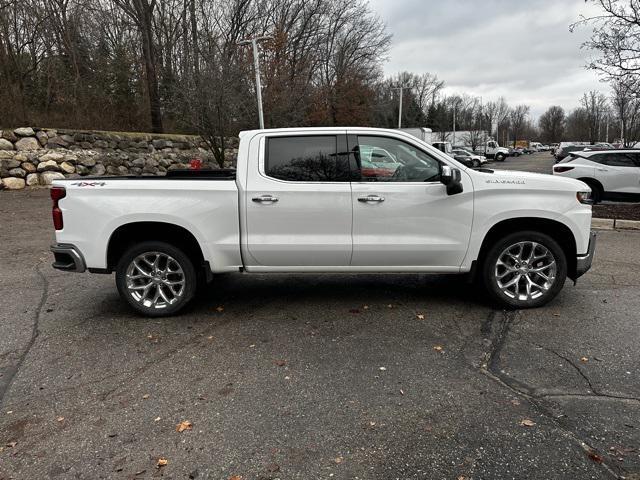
(618, 172)
(406, 221)
(298, 203)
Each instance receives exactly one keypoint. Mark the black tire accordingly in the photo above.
(500, 157)
(490, 271)
(179, 295)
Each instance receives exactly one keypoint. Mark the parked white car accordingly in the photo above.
(611, 174)
(302, 201)
(468, 158)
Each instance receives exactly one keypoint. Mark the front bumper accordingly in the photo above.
(583, 262)
(68, 258)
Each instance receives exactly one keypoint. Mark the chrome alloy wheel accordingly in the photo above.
(155, 280)
(525, 271)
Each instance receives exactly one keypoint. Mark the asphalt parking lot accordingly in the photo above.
(313, 376)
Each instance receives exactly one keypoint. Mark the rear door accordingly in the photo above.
(618, 172)
(406, 221)
(298, 205)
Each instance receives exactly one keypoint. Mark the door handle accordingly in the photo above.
(265, 199)
(371, 198)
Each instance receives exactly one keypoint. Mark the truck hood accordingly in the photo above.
(531, 180)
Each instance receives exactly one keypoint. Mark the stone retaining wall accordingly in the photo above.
(33, 156)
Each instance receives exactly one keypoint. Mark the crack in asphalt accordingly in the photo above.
(35, 332)
(490, 368)
(596, 392)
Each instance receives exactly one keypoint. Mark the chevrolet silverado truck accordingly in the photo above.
(298, 201)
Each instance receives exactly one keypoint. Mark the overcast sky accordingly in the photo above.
(521, 50)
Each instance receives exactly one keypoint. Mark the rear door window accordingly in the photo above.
(615, 159)
(306, 159)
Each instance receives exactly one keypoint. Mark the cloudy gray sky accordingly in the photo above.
(519, 49)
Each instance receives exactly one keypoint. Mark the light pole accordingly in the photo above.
(400, 88)
(256, 66)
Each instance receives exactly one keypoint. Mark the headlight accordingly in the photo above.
(584, 197)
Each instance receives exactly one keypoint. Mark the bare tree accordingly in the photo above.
(626, 106)
(595, 107)
(552, 124)
(141, 12)
(518, 118)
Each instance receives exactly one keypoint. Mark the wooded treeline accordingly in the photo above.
(177, 66)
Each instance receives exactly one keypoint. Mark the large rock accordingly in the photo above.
(9, 163)
(161, 143)
(47, 178)
(82, 170)
(28, 167)
(6, 154)
(17, 172)
(60, 141)
(48, 166)
(33, 179)
(98, 170)
(5, 144)
(24, 132)
(52, 157)
(28, 143)
(87, 161)
(13, 183)
(42, 137)
(66, 167)
(8, 135)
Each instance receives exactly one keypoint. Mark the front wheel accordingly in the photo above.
(525, 270)
(156, 279)
(500, 157)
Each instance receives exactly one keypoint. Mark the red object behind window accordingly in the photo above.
(57, 193)
(196, 164)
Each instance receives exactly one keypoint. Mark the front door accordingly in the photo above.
(298, 203)
(406, 219)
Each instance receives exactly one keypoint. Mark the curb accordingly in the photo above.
(614, 224)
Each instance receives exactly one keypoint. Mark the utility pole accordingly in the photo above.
(256, 66)
(400, 88)
(454, 125)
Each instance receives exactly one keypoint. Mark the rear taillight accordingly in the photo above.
(559, 169)
(57, 193)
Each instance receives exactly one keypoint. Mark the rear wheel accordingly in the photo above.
(156, 279)
(525, 270)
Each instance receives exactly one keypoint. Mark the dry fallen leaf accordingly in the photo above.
(11, 444)
(162, 462)
(527, 423)
(366, 307)
(280, 363)
(593, 455)
(584, 359)
(382, 369)
(210, 337)
(420, 316)
(157, 419)
(389, 306)
(462, 477)
(372, 424)
(438, 348)
(219, 308)
(145, 396)
(60, 419)
(339, 459)
(515, 402)
(401, 392)
(184, 425)
(235, 477)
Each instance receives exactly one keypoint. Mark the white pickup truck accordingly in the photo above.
(302, 201)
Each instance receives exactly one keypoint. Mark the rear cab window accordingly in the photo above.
(308, 158)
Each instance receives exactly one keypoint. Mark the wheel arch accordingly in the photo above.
(129, 234)
(555, 229)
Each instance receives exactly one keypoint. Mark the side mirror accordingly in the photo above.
(452, 179)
